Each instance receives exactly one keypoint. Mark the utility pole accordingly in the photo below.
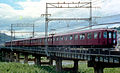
(0, 36)
(11, 35)
(90, 22)
(33, 35)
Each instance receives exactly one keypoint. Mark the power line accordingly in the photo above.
(97, 25)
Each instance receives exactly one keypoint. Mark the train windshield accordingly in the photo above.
(114, 35)
(110, 35)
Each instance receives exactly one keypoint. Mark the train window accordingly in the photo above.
(65, 37)
(61, 38)
(71, 37)
(36, 40)
(27, 41)
(76, 37)
(57, 38)
(105, 34)
(33, 41)
(99, 35)
(114, 35)
(40, 40)
(68, 37)
(95, 35)
(48, 39)
(53, 38)
(82, 36)
(89, 35)
(110, 35)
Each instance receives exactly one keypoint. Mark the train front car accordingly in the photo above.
(101, 38)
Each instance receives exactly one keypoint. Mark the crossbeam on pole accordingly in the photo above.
(50, 19)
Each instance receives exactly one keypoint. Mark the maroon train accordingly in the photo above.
(95, 38)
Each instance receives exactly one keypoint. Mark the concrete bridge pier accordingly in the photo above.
(98, 70)
(58, 65)
(25, 58)
(11, 59)
(98, 67)
(50, 61)
(17, 57)
(75, 68)
(6, 57)
(38, 60)
(3, 54)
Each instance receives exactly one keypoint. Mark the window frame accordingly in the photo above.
(89, 35)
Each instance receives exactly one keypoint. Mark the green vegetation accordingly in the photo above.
(25, 68)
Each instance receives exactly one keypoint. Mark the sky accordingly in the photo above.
(29, 11)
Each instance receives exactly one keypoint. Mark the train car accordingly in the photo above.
(95, 38)
(88, 38)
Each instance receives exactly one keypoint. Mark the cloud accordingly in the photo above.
(111, 7)
(31, 12)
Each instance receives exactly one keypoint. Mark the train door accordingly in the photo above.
(95, 41)
(105, 38)
(110, 38)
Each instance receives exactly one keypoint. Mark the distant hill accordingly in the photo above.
(4, 38)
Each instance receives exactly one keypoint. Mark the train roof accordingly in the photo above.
(85, 31)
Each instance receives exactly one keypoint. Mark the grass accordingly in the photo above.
(12, 67)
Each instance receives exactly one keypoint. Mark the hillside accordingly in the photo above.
(4, 37)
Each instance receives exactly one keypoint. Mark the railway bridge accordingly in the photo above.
(96, 58)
